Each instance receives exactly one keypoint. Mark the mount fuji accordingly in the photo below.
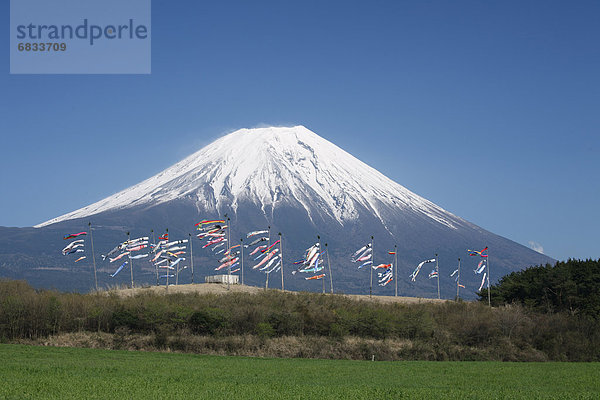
(298, 183)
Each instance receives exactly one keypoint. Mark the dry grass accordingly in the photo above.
(218, 288)
(199, 288)
(394, 299)
(348, 348)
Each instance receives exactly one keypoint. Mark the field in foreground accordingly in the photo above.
(48, 372)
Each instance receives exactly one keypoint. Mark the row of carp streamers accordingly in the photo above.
(168, 255)
(76, 246)
(126, 249)
(121, 250)
(165, 254)
(435, 273)
(364, 257)
(264, 253)
(311, 263)
(214, 233)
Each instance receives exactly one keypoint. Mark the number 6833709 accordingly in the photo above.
(42, 46)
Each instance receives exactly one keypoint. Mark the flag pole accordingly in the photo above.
(437, 269)
(191, 256)
(458, 280)
(372, 264)
(317, 263)
(168, 273)
(329, 267)
(396, 268)
(155, 249)
(242, 250)
(281, 256)
(130, 261)
(177, 274)
(488, 279)
(228, 251)
(267, 282)
(168, 263)
(93, 256)
(268, 244)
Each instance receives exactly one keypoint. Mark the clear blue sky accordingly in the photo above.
(489, 109)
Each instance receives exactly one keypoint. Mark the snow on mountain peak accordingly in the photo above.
(270, 166)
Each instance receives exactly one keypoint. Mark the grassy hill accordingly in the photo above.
(214, 288)
(296, 325)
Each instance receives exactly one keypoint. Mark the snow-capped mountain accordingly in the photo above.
(299, 184)
(269, 167)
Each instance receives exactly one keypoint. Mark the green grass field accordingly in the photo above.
(64, 373)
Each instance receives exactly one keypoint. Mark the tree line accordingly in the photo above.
(276, 324)
(571, 286)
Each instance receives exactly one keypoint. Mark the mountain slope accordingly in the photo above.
(271, 166)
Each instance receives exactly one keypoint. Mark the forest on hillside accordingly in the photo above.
(571, 286)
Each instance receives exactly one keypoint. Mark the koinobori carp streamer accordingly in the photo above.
(74, 235)
(414, 274)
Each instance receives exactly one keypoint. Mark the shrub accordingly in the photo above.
(264, 330)
(208, 321)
